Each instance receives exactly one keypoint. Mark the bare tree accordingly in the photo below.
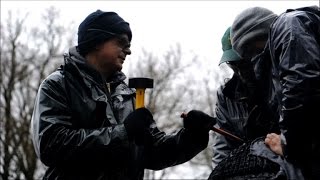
(28, 54)
(206, 101)
(176, 89)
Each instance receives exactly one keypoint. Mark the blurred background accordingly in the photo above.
(177, 43)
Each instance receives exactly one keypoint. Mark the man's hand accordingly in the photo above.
(198, 121)
(274, 142)
(137, 125)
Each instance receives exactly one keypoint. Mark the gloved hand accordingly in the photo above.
(137, 124)
(198, 121)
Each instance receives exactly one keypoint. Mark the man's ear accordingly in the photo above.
(98, 47)
(100, 44)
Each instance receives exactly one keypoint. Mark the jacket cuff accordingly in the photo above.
(284, 145)
(199, 138)
(122, 132)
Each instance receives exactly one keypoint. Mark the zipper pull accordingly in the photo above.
(109, 88)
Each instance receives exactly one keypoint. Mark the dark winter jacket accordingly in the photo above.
(294, 43)
(78, 129)
(241, 113)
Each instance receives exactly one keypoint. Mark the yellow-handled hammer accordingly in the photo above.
(140, 84)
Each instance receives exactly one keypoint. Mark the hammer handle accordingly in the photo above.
(218, 130)
(225, 133)
(139, 98)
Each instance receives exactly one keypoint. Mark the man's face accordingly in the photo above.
(254, 49)
(112, 54)
(244, 70)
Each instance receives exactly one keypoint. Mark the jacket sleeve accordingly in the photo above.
(221, 146)
(220, 149)
(296, 59)
(169, 150)
(57, 141)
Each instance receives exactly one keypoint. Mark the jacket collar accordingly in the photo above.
(234, 89)
(87, 71)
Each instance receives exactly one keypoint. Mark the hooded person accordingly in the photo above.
(251, 117)
(84, 124)
(287, 47)
(249, 31)
(239, 109)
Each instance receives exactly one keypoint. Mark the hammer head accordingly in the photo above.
(141, 83)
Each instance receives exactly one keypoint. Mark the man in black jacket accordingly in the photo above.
(240, 108)
(292, 40)
(84, 124)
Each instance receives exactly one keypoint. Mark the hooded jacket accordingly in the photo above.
(294, 42)
(241, 113)
(288, 71)
(78, 130)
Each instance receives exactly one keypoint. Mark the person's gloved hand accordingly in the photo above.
(198, 121)
(137, 124)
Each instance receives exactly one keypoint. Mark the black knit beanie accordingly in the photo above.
(99, 27)
(250, 25)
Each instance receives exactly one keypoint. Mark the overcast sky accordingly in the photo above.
(197, 25)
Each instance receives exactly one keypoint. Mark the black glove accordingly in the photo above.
(198, 121)
(137, 125)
